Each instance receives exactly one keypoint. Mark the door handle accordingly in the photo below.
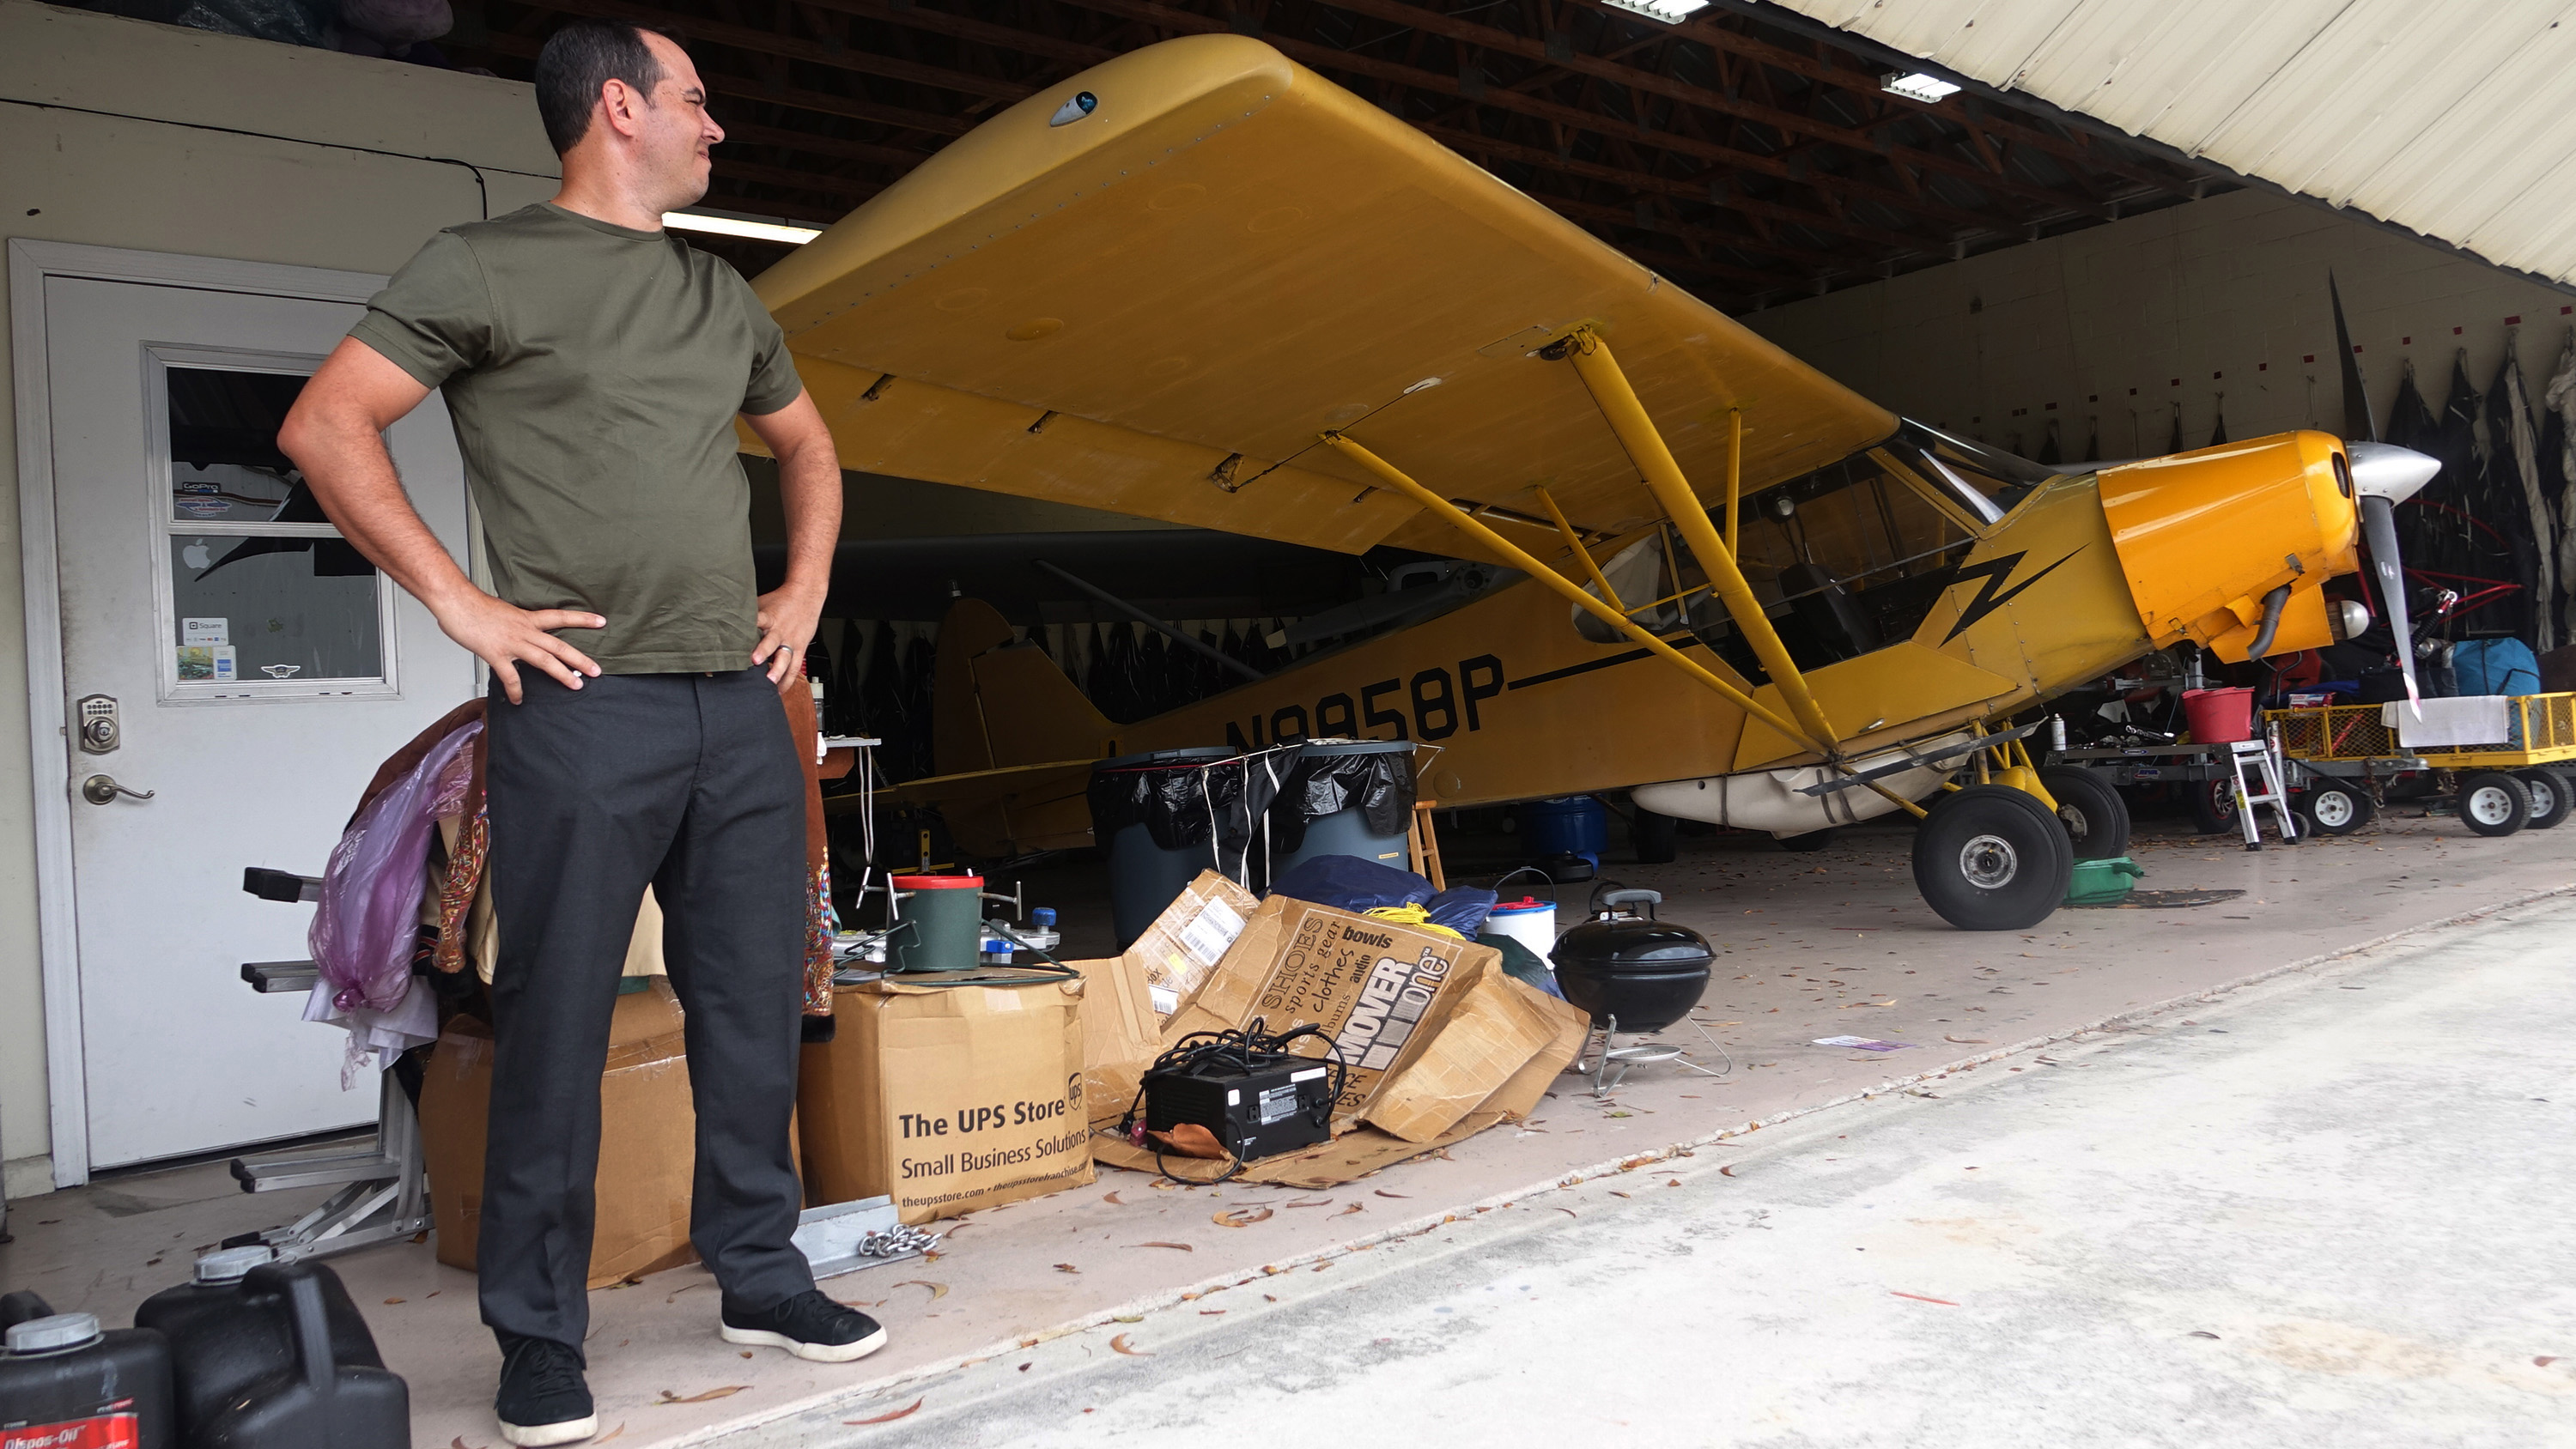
(100, 790)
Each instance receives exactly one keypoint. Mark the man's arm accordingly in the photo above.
(809, 485)
(335, 433)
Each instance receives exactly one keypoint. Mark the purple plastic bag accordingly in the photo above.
(369, 916)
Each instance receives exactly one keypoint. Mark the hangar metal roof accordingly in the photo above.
(2456, 121)
(1743, 160)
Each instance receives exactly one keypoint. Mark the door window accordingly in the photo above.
(262, 596)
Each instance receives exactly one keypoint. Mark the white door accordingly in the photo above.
(259, 670)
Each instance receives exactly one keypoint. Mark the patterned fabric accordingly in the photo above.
(818, 944)
(464, 880)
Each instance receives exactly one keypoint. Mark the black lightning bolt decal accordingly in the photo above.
(1992, 573)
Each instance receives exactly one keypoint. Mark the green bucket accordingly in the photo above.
(2102, 882)
(939, 923)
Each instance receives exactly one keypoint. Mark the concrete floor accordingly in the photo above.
(2330, 1211)
(1829, 943)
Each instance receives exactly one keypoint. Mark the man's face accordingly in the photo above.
(677, 129)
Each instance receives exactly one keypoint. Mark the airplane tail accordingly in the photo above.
(999, 704)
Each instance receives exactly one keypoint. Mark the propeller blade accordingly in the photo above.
(2357, 421)
(2379, 530)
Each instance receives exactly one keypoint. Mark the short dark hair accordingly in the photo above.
(580, 58)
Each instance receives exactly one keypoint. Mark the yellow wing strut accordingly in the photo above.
(1636, 432)
(1574, 541)
(1464, 522)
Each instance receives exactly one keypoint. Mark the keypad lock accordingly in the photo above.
(97, 728)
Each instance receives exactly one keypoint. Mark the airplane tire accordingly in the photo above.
(1991, 858)
(2096, 818)
(1657, 837)
(2494, 803)
(2213, 804)
(2550, 798)
(2331, 807)
(1812, 840)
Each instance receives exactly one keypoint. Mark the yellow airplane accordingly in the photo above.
(1201, 283)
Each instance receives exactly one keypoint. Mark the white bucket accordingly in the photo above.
(1533, 925)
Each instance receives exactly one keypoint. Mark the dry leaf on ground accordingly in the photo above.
(1319, 1202)
(937, 1290)
(1120, 1344)
(1353, 1208)
(1242, 1217)
(1112, 1200)
(1728, 1171)
(905, 1411)
(1184, 1247)
(1382, 1192)
(728, 1391)
(1066, 1268)
(611, 1434)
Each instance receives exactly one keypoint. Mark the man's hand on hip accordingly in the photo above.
(787, 620)
(505, 636)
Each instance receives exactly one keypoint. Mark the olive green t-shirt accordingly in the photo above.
(592, 373)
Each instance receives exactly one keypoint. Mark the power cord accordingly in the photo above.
(1247, 1050)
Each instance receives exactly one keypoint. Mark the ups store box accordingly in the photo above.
(647, 1139)
(946, 1098)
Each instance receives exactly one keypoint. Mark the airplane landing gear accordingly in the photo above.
(2096, 818)
(1992, 858)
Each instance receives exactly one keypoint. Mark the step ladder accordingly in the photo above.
(2263, 758)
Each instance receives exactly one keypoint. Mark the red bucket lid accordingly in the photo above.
(939, 882)
(1525, 903)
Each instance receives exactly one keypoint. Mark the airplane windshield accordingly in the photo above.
(1984, 480)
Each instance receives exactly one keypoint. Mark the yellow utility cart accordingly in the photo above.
(2496, 789)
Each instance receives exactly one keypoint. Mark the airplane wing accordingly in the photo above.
(1154, 303)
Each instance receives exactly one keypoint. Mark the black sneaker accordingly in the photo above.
(809, 1325)
(543, 1398)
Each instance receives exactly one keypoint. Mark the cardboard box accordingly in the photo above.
(1373, 985)
(947, 1098)
(647, 1139)
(1498, 1026)
(1192, 934)
(1299, 962)
(1121, 1035)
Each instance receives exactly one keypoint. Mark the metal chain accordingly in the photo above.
(897, 1242)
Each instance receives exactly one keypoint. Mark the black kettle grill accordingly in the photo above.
(1633, 973)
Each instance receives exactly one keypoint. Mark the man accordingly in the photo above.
(593, 366)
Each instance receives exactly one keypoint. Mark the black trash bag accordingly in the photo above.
(1378, 782)
(1182, 803)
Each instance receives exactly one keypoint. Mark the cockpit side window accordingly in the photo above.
(1843, 560)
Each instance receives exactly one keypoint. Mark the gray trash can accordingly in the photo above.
(1345, 797)
(1147, 813)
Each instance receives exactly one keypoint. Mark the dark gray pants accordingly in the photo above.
(688, 782)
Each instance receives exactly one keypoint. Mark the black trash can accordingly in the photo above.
(1150, 813)
(1345, 797)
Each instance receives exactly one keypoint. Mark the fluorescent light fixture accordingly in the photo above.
(728, 223)
(1671, 12)
(1916, 86)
